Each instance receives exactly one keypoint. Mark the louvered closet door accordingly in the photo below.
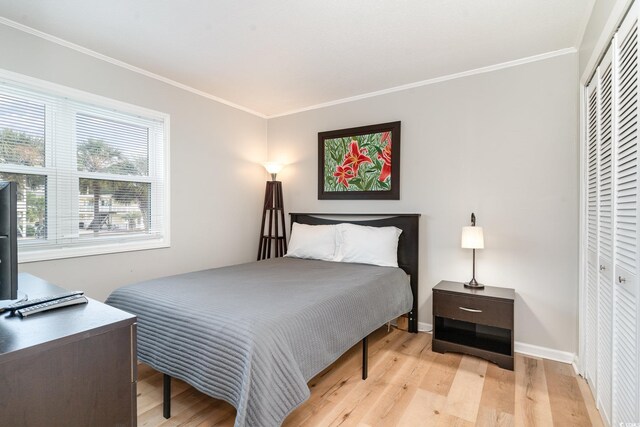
(612, 234)
(605, 235)
(626, 372)
(591, 318)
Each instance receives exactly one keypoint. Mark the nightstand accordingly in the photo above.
(474, 321)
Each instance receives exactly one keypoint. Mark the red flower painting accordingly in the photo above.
(356, 163)
(385, 156)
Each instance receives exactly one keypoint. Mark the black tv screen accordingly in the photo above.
(8, 241)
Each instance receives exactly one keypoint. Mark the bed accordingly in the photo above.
(254, 334)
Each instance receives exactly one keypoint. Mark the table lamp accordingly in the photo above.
(473, 238)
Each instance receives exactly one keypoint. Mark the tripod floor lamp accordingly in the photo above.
(272, 232)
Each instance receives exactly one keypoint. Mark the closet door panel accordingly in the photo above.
(605, 235)
(626, 372)
(591, 318)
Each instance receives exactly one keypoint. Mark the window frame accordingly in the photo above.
(76, 247)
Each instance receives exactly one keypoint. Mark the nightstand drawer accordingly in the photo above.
(474, 309)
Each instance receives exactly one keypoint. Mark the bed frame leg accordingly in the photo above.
(365, 358)
(166, 396)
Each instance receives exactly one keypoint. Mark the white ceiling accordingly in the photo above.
(275, 56)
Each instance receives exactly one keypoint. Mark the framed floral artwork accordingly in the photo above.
(360, 163)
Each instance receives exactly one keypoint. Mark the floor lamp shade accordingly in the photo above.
(273, 168)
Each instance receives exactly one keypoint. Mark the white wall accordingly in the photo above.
(217, 186)
(605, 17)
(503, 145)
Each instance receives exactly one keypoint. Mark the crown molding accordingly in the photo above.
(487, 69)
(122, 64)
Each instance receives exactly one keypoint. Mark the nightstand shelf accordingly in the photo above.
(496, 340)
(474, 321)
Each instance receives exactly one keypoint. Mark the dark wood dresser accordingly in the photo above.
(474, 321)
(73, 366)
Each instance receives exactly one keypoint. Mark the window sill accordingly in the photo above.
(48, 254)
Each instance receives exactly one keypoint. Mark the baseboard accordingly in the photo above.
(425, 327)
(576, 365)
(545, 353)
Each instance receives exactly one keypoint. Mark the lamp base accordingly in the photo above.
(473, 284)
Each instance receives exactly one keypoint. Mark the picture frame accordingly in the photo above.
(360, 163)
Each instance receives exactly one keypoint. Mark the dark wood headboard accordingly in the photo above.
(408, 256)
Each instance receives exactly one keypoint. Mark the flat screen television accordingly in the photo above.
(8, 241)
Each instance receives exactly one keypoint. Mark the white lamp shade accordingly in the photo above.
(472, 237)
(273, 167)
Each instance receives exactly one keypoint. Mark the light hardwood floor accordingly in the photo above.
(408, 385)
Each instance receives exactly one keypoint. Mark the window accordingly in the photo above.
(92, 173)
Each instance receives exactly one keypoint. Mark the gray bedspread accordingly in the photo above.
(254, 334)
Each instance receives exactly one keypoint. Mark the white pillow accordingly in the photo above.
(368, 245)
(312, 242)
